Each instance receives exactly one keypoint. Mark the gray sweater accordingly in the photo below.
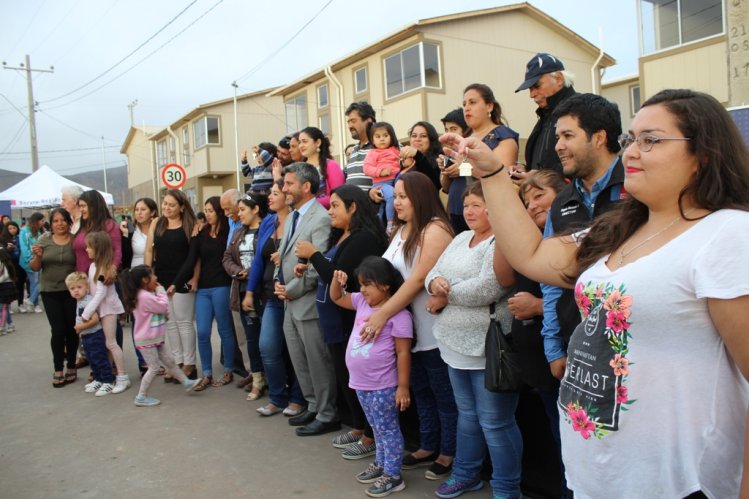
(461, 327)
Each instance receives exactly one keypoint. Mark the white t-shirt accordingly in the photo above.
(138, 243)
(423, 320)
(651, 404)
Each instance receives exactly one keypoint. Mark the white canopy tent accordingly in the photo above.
(42, 189)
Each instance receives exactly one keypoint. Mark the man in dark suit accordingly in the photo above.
(311, 358)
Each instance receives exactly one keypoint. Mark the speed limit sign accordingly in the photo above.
(173, 176)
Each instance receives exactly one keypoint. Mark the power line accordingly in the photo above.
(14, 139)
(26, 31)
(142, 60)
(126, 57)
(96, 137)
(48, 151)
(285, 44)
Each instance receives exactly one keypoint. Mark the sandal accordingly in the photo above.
(224, 380)
(71, 376)
(58, 380)
(204, 383)
(161, 371)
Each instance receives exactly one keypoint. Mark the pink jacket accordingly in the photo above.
(379, 159)
(333, 179)
(105, 298)
(150, 318)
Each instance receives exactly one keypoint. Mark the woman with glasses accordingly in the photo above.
(283, 388)
(653, 401)
(237, 262)
(212, 298)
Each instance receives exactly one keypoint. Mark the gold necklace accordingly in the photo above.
(624, 254)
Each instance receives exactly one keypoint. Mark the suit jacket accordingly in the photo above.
(314, 227)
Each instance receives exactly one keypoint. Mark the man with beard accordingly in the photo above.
(359, 117)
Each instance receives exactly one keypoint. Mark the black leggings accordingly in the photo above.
(60, 309)
(359, 420)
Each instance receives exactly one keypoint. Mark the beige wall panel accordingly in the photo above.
(704, 68)
(138, 154)
(619, 93)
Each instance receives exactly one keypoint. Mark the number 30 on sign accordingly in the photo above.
(173, 176)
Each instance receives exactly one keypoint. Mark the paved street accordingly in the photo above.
(65, 443)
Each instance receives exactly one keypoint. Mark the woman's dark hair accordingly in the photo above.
(316, 134)
(542, 179)
(267, 146)
(364, 218)
(388, 128)
(487, 95)
(33, 222)
(7, 262)
(380, 272)
(151, 205)
(131, 281)
(98, 213)
(456, 116)
(222, 229)
(63, 213)
(200, 216)
(188, 215)
(6, 236)
(253, 199)
(474, 189)
(721, 180)
(427, 209)
(435, 148)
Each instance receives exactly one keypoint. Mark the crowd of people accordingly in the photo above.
(613, 260)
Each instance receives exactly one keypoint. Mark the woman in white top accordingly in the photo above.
(134, 247)
(421, 233)
(653, 402)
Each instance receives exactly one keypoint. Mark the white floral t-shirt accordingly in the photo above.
(651, 403)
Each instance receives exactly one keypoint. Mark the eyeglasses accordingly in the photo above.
(645, 142)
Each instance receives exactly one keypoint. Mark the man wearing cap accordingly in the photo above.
(549, 85)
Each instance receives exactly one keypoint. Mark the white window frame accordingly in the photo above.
(680, 43)
(185, 146)
(198, 143)
(162, 155)
(632, 108)
(357, 90)
(422, 73)
(328, 132)
(320, 104)
(299, 121)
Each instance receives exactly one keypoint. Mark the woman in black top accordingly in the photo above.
(355, 234)
(167, 247)
(212, 298)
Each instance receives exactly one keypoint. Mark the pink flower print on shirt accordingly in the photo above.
(621, 394)
(616, 302)
(583, 301)
(580, 421)
(620, 365)
(616, 321)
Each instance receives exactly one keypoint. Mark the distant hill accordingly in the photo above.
(116, 181)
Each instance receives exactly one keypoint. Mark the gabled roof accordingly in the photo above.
(146, 129)
(414, 28)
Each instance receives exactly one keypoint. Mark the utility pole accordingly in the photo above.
(32, 120)
(104, 161)
(130, 107)
(236, 139)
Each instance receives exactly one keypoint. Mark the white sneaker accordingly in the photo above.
(11, 328)
(122, 383)
(38, 309)
(92, 387)
(22, 308)
(2, 331)
(105, 389)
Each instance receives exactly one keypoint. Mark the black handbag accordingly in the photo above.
(502, 373)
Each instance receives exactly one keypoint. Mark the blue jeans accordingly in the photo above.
(97, 354)
(435, 402)
(486, 419)
(33, 287)
(279, 372)
(251, 327)
(388, 194)
(210, 303)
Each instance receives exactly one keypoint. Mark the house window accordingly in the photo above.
(634, 99)
(296, 113)
(323, 123)
(161, 153)
(185, 146)
(414, 67)
(172, 150)
(360, 80)
(206, 131)
(670, 23)
(322, 96)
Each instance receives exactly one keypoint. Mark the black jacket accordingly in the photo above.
(568, 213)
(544, 133)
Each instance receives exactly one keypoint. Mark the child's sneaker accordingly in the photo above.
(10, 328)
(385, 485)
(105, 389)
(92, 387)
(2, 331)
(38, 309)
(371, 474)
(122, 383)
(190, 384)
(145, 401)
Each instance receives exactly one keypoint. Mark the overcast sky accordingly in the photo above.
(196, 57)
